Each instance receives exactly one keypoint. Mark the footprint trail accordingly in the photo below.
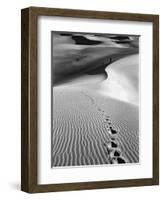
(113, 150)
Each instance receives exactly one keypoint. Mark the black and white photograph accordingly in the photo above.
(89, 99)
(94, 99)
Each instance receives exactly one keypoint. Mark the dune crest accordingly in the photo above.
(95, 99)
(122, 80)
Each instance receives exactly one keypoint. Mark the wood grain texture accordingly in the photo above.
(29, 101)
(92, 14)
(29, 98)
(24, 100)
(156, 100)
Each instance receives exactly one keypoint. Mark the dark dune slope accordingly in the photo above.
(76, 54)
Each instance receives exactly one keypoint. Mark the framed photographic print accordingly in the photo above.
(90, 99)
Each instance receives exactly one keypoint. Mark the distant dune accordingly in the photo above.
(95, 99)
(77, 54)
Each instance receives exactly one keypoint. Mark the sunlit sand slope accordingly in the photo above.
(92, 129)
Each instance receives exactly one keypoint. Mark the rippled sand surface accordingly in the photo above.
(82, 127)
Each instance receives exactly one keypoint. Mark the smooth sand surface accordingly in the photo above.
(122, 80)
(92, 128)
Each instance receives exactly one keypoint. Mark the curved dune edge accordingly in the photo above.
(122, 80)
(71, 60)
(81, 129)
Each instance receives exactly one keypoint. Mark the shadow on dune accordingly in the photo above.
(84, 41)
(90, 61)
(95, 79)
(74, 55)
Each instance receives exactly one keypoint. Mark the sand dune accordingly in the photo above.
(77, 54)
(77, 134)
(82, 128)
(122, 80)
(95, 99)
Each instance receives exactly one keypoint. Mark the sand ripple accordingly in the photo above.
(83, 125)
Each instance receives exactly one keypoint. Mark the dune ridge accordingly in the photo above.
(76, 54)
(95, 99)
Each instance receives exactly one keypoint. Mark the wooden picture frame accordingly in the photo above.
(29, 112)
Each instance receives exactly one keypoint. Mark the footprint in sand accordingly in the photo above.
(112, 138)
(117, 160)
(110, 145)
(113, 161)
(114, 152)
(110, 130)
(114, 144)
(112, 148)
(121, 160)
(117, 153)
(113, 131)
